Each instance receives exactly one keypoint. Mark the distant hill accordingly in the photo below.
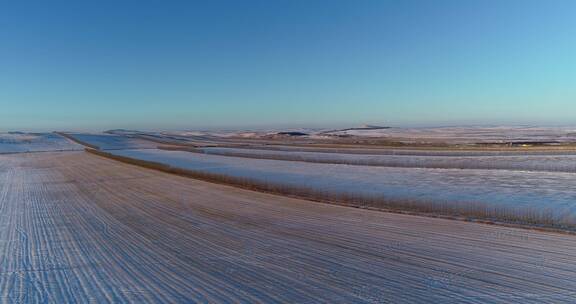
(363, 127)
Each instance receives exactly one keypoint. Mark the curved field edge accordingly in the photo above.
(78, 141)
(467, 211)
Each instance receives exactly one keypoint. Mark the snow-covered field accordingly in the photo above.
(553, 162)
(463, 135)
(110, 141)
(541, 190)
(17, 142)
(77, 228)
(450, 135)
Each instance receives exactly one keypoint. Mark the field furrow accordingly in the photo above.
(76, 227)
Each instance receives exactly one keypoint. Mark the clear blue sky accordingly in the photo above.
(193, 64)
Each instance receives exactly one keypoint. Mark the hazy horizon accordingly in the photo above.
(263, 128)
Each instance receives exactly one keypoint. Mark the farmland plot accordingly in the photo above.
(467, 135)
(18, 142)
(80, 228)
(516, 189)
(530, 162)
(110, 141)
(410, 151)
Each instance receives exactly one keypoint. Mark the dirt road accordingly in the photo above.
(75, 227)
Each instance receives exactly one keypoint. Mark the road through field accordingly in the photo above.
(75, 227)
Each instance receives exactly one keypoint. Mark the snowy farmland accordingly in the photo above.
(553, 162)
(464, 135)
(449, 135)
(112, 141)
(78, 228)
(18, 142)
(518, 189)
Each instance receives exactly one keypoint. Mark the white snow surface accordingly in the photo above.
(546, 190)
(112, 141)
(76, 228)
(451, 135)
(18, 142)
(553, 162)
(466, 135)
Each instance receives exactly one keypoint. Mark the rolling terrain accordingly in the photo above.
(530, 186)
(80, 228)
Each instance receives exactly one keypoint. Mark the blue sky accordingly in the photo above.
(208, 64)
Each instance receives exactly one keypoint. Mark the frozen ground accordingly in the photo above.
(542, 190)
(420, 159)
(464, 135)
(450, 135)
(236, 133)
(412, 151)
(78, 228)
(112, 141)
(17, 142)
